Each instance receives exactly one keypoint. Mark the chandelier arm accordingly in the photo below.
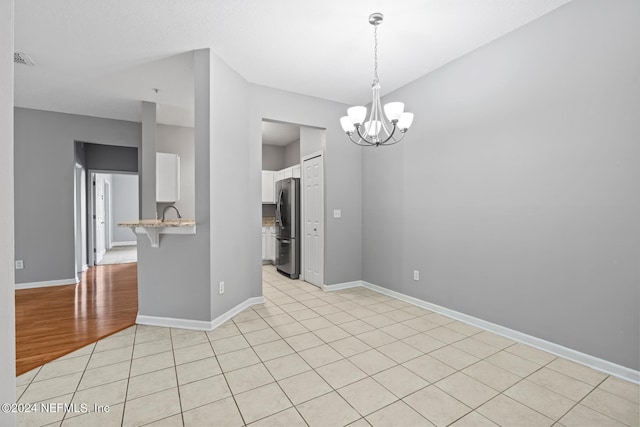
(393, 131)
(361, 142)
(395, 141)
(362, 138)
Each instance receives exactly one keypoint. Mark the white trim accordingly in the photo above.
(129, 243)
(235, 310)
(31, 285)
(339, 286)
(85, 267)
(198, 325)
(171, 322)
(553, 348)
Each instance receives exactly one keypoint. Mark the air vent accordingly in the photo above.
(23, 58)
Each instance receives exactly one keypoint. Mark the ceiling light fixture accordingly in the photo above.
(386, 128)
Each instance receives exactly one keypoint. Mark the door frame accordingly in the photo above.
(313, 155)
(80, 216)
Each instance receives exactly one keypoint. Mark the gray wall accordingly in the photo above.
(516, 192)
(7, 316)
(110, 157)
(44, 164)
(173, 279)
(292, 154)
(179, 140)
(235, 192)
(343, 249)
(124, 205)
(147, 161)
(312, 140)
(272, 158)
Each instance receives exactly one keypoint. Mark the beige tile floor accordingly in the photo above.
(307, 357)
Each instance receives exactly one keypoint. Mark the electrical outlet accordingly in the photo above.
(221, 288)
(416, 275)
(19, 264)
(337, 213)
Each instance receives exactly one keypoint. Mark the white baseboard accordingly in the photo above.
(235, 310)
(339, 286)
(131, 243)
(553, 348)
(172, 322)
(47, 283)
(197, 325)
(85, 267)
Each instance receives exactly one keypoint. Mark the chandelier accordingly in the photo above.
(386, 128)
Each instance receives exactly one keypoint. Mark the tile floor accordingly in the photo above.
(307, 357)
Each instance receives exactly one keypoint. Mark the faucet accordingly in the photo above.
(170, 206)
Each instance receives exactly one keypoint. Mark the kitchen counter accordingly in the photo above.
(153, 228)
(158, 223)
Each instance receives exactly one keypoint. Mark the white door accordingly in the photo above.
(313, 198)
(99, 218)
(108, 236)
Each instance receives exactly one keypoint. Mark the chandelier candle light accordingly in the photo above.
(380, 129)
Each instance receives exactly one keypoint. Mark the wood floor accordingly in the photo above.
(54, 321)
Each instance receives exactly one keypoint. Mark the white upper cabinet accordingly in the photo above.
(290, 172)
(295, 171)
(167, 177)
(268, 190)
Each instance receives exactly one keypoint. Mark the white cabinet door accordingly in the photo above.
(271, 244)
(167, 177)
(268, 189)
(278, 175)
(264, 243)
(296, 171)
(288, 173)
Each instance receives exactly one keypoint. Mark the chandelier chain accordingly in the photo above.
(375, 54)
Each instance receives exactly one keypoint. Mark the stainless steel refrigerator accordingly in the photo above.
(288, 227)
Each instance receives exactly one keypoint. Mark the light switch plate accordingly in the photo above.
(337, 213)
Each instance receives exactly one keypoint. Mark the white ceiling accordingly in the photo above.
(101, 58)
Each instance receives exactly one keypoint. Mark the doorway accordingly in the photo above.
(114, 198)
(285, 149)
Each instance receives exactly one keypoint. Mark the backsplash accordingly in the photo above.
(268, 221)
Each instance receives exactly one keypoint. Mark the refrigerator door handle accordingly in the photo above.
(278, 209)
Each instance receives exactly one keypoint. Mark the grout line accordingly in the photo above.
(79, 381)
(233, 396)
(126, 391)
(593, 409)
(175, 369)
